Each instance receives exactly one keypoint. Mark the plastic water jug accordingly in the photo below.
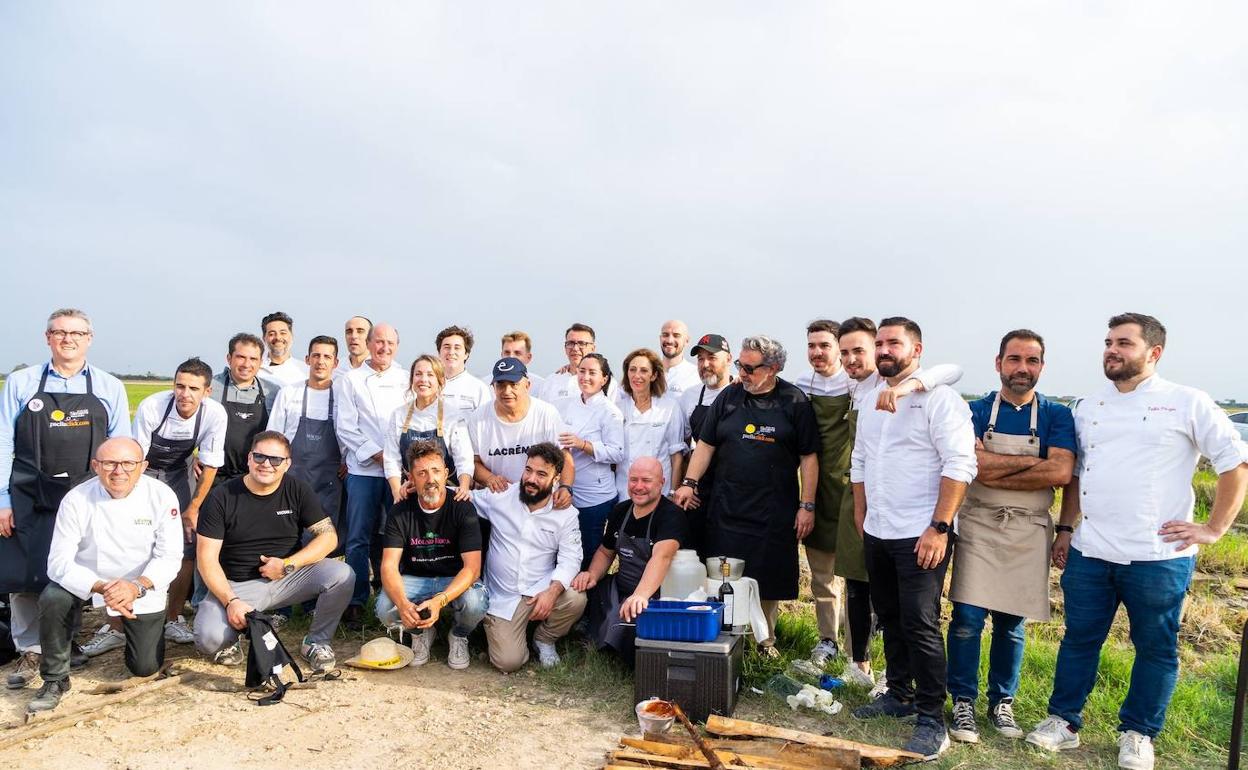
(685, 575)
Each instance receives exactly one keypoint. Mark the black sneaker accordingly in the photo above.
(49, 696)
(929, 739)
(964, 728)
(77, 658)
(1001, 716)
(887, 705)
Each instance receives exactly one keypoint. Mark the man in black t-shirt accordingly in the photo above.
(645, 531)
(249, 556)
(431, 557)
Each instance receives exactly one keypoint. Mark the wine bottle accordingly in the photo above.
(727, 595)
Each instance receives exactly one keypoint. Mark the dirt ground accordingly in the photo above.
(426, 717)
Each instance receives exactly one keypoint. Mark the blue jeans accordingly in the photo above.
(469, 607)
(593, 519)
(1152, 592)
(1005, 655)
(368, 499)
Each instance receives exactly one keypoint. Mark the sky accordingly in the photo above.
(179, 171)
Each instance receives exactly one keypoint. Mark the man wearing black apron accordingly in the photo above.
(714, 358)
(52, 419)
(248, 401)
(170, 438)
(645, 531)
(315, 454)
(762, 432)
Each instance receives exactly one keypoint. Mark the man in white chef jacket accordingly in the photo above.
(278, 329)
(1131, 497)
(117, 543)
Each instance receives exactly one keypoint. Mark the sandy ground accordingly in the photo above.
(427, 717)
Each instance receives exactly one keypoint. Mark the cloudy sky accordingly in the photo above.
(181, 171)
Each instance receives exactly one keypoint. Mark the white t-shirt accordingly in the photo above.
(503, 446)
(682, 377)
(288, 372)
(462, 395)
(695, 397)
(289, 405)
(211, 429)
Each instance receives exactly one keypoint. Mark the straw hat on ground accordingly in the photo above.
(382, 653)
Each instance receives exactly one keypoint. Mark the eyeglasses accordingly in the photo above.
(60, 334)
(126, 465)
(747, 368)
(275, 461)
(577, 344)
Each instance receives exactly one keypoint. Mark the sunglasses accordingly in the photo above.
(273, 460)
(747, 368)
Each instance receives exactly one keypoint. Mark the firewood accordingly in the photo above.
(872, 756)
(715, 764)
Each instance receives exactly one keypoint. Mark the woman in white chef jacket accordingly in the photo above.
(595, 438)
(423, 417)
(654, 422)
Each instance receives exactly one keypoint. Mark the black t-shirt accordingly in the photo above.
(432, 542)
(251, 525)
(669, 523)
(786, 398)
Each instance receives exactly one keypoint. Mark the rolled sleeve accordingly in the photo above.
(1215, 435)
(953, 436)
(674, 435)
(568, 561)
(940, 374)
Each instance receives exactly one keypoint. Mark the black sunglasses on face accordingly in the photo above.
(273, 460)
(747, 368)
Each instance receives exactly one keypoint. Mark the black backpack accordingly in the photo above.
(266, 657)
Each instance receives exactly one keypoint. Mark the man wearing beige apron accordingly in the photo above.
(1026, 447)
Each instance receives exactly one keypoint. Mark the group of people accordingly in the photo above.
(509, 503)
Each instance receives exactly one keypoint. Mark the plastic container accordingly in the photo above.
(783, 685)
(650, 722)
(684, 576)
(675, 622)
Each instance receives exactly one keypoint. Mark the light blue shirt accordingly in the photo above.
(22, 385)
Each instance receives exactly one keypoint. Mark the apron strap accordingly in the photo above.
(1035, 415)
(440, 402)
(407, 420)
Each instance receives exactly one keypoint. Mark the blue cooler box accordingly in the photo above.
(702, 677)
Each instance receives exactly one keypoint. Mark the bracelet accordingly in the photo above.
(231, 601)
(445, 601)
(690, 482)
(1063, 528)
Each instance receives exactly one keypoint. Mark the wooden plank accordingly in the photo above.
(679, 764)
(872, 756)
(680, 751)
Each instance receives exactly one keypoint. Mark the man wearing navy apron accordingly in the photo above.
(645, 531)
(714, 358)
(763, 434)
(304, 414)
(52, 419)
(248, 400)
(171, 427)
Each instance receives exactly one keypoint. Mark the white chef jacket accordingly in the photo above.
(813, 383)
(659, 433)
(211, 430)
(928, 377)
(364, 401)
(503, 446)
(463, 394)
(454, 433)
(288, 372)
(560, 386)
(902, 456)
(345, 367)
(528, 549)
(288, 406)
(681, 377)
(101, 538)
(1137, 453)
(599, 422)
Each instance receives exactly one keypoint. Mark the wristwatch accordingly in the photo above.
(691, 483)
(142, 589)
(941, 527)
(810, 507)
(288, 567)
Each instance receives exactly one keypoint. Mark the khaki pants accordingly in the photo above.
(509, 649)
(826, 588)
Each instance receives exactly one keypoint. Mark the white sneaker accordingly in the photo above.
(881, 685)
(177, 631)
(824, 651)
(854, 675)
(1054, 734)
(278, 621)
(104, 640)
(420, 646)
(546, 654)
(230, 656)
(1135, 751)
(319, 656)
(457, 656)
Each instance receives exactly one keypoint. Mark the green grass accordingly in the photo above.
(137, 391)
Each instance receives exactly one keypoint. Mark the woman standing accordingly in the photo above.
(596, 439)
(421, 418)
(654, 423)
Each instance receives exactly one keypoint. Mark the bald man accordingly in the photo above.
(118, 544)
(645, 531)
(681, 374)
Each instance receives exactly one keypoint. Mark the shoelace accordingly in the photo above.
(1137, 741)
(963, 715)
(1005, 714)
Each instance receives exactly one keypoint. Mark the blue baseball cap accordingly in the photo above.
(509, 370)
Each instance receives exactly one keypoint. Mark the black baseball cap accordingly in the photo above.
(711, 343)
(509, 370)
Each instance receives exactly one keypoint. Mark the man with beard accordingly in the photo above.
(714, 357)
(535, 552)
(763, 434)
(1139, 438)
(1025, 446)
(355, 338)
(431, 558)
(910, 469)
(279, 365)
(681, 375)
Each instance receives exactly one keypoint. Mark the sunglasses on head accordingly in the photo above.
(747, 368)
(273, 460)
